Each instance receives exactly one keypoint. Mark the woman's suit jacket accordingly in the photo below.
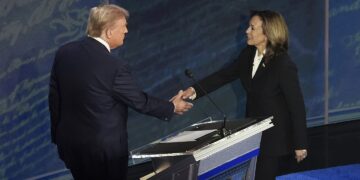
(274, 91)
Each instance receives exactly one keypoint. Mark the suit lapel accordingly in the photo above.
(249, 68)
(261, 69)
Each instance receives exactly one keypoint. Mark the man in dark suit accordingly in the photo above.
(270, 80)
(90, 92)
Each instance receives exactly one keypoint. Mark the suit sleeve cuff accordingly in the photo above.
(194, 95)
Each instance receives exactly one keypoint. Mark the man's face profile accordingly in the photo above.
(117, 33)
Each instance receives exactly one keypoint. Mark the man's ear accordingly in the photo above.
(108, 33)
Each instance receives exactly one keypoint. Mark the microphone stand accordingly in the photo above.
(223, 131)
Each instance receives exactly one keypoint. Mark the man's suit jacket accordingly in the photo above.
(274, 91)
(90, 92)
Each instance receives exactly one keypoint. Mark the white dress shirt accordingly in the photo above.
(257, 59)
(103, 42)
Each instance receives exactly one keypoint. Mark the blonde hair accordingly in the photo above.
(102, 17)
(275, 29)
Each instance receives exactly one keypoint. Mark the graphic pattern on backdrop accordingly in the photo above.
(344, 61)
(31, 32)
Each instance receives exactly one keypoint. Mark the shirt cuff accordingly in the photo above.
(192, 97)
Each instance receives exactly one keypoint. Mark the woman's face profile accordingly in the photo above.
(255, 34)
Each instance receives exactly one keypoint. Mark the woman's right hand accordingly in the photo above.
(189, 93)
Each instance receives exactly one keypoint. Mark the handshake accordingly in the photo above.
(179, 102)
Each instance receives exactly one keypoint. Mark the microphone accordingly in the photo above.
(224, 132)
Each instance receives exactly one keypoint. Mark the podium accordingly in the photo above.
(201, 152)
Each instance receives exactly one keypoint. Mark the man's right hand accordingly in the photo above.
(180, 105)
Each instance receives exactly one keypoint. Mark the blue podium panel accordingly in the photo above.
(237, 172)
(229, 157)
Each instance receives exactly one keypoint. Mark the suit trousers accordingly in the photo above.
(90, 164)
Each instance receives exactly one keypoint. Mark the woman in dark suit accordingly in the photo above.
(272, 88)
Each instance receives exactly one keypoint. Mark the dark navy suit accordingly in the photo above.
(90, 92)
(273, 91)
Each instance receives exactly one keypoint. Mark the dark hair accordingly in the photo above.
(275, 29)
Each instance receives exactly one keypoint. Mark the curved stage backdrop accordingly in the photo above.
(165, 37)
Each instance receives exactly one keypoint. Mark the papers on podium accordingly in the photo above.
(187, 136)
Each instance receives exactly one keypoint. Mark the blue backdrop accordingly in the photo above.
(165, 37)
(344, 60)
